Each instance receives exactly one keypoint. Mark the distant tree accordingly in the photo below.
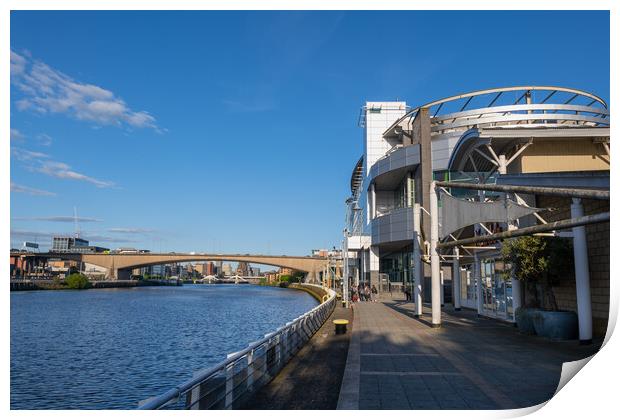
(77, 281)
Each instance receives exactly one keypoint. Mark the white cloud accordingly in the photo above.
(42, 163)
(47, 90)
(63, 171)
(44, 139)
(16, 135)
(18, 63)
(29, 235)
(130, 230)
(28, 190)
(61, 219)
(27, 155)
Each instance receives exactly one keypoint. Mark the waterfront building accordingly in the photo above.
(526, 135)
(227, 269)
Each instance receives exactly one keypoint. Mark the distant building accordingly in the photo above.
(243, 269)
(323, 253)
(72, 244)
(227, 269)
(210, 269)
(67, 243)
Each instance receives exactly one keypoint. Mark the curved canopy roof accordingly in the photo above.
(543, 105)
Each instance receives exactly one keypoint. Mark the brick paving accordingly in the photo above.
(398, 362)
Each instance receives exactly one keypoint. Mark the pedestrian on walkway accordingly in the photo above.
(367, 292)
(374, 293)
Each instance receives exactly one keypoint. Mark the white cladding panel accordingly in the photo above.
(379, 116)
(441, 147)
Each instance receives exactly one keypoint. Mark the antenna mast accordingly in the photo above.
(75, 220)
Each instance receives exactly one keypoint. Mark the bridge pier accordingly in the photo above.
(119, 274)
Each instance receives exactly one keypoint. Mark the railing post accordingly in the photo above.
(250, 371)
(229, 386)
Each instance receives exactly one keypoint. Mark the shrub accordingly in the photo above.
(77, 281)
(538, 261)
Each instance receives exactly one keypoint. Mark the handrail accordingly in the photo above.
(275, 340)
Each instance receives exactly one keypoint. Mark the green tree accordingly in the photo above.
(538, 261)
(77, 281)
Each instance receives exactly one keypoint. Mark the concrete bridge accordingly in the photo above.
(119, 266)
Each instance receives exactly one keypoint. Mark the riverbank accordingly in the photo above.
(23, 285)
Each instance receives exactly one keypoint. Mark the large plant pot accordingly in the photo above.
(525, 322)
(557, 325)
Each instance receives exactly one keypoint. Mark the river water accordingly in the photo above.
(111, 348)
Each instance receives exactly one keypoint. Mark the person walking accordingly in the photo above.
(367, 293)
(374, 293)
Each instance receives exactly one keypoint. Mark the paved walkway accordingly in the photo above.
(312, 378)
(398, 362)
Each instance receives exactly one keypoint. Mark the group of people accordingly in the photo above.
(364, 293)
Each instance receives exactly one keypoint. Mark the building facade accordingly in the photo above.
(524, 135)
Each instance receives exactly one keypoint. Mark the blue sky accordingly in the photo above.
(237, 131)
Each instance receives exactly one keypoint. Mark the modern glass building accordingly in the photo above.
(523, 135)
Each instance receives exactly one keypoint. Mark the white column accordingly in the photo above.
(435, 276)
(373, 201)
(502, 164)
(516, 283)
(364, 264)
(417, 261)
(373, 263)
(408, 191)
(456, 280)
(582, 275)
(478, 280)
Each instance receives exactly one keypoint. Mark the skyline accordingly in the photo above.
(227, 131)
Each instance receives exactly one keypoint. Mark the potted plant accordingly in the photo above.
(539, 262)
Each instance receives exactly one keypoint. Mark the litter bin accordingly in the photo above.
(341, 326)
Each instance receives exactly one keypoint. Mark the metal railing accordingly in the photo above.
(231, 382)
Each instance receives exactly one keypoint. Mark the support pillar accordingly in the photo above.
(478, 281)
(435, 276)
(374, 266)
(363, 267)
(582, 275)
(517, 295)
(456, 280)
(345, 270)
(417, 261)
